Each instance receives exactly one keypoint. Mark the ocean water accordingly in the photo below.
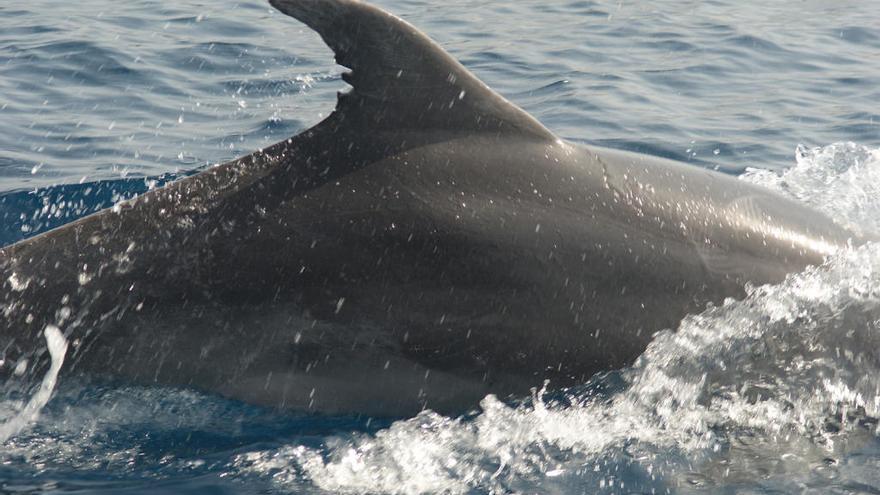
(778, 393)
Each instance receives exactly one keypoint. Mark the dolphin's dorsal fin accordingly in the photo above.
(402, 79)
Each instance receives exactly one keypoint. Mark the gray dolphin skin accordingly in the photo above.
(425, 245)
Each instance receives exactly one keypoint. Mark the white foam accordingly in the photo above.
(842, 180)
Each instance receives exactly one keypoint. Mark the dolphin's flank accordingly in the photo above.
(425, 245)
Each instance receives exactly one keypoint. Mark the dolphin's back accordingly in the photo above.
(428, 238)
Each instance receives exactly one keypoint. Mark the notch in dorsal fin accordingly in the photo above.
(400, 78)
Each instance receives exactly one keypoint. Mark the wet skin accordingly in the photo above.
(415, 249)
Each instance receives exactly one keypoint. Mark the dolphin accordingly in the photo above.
(425, 245)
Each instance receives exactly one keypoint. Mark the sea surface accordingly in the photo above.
(779, 393)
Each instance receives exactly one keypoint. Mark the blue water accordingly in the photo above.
(102, 100)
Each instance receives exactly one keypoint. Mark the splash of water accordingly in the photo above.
(31, 411)
(842, 180)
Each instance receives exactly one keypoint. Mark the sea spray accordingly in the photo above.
(31, 411)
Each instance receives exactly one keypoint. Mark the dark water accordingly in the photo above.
(779, 393)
